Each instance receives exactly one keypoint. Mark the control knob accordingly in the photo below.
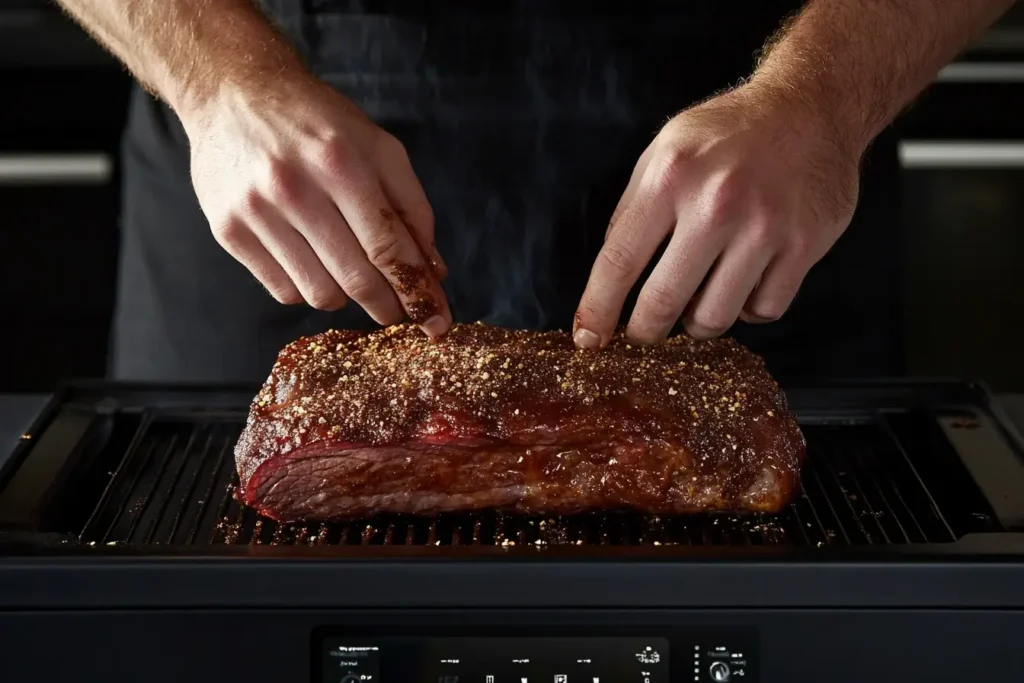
(720, 671)
(351, 678)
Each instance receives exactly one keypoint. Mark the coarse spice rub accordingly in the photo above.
(352, 424)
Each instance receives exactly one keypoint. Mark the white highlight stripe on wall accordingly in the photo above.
(56, 169)
(982, 72)
(961, 154)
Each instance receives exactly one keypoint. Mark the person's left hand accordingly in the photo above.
(751, 190)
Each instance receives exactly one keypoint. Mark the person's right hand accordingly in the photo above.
(317, 202)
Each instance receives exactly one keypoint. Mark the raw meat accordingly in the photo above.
(351, 425)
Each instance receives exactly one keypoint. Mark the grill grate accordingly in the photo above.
(174, 486)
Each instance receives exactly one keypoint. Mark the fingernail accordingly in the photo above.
(585, 339)
(435, 326)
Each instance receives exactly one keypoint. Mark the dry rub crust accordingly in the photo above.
(350, 425)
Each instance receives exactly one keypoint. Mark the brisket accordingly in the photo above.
(350, 425)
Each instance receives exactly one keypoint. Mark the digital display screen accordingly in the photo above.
(497, 660)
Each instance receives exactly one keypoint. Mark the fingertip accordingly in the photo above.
(289, 297)
(643, 337)
(335, 305)
(431, 313)
(387, 320)
(702, 332)
(392, 315)
(436, 326)
(754, 319)
(587, 339)
(588, 332)
(646, 330)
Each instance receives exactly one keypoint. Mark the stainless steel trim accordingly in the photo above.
(982, 72)
(962, 154)
(56, 169)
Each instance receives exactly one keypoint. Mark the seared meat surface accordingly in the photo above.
(350, 425)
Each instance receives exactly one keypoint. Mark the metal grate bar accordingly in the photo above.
(871, 513)
(141, 454)
(909, 513)
(168, 490)
(895, 442)
(846, 507)
(106, 496)
(819, 490)
(906, 538)
(142, 506)
(884, 516)
(210, 491)
(190, 488)
(800, 521)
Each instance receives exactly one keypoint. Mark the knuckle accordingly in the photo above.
(669, 170)
(801, 246)
(326, 298)
(282, 181)
(334, 156)
(358, 286)
(726, 195)
(383, 249)
(761, 233)
(618, 260)
(229, 230)
(250, 202)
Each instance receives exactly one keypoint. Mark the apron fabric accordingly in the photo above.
(523, 122)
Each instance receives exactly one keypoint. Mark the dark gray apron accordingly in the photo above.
(523, 121)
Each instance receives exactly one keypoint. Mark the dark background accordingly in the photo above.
(63, 100)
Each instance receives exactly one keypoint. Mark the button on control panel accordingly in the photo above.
(721, 664)
(720, 671)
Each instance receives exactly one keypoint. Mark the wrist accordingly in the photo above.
(248, 59)
(813, 106)
(197, 103)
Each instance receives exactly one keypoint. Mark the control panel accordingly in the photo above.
(700, 655)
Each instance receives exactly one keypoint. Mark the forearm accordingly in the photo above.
(858, 64)
(185, 51)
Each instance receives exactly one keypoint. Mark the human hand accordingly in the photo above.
(316, 201)
(751, 189)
